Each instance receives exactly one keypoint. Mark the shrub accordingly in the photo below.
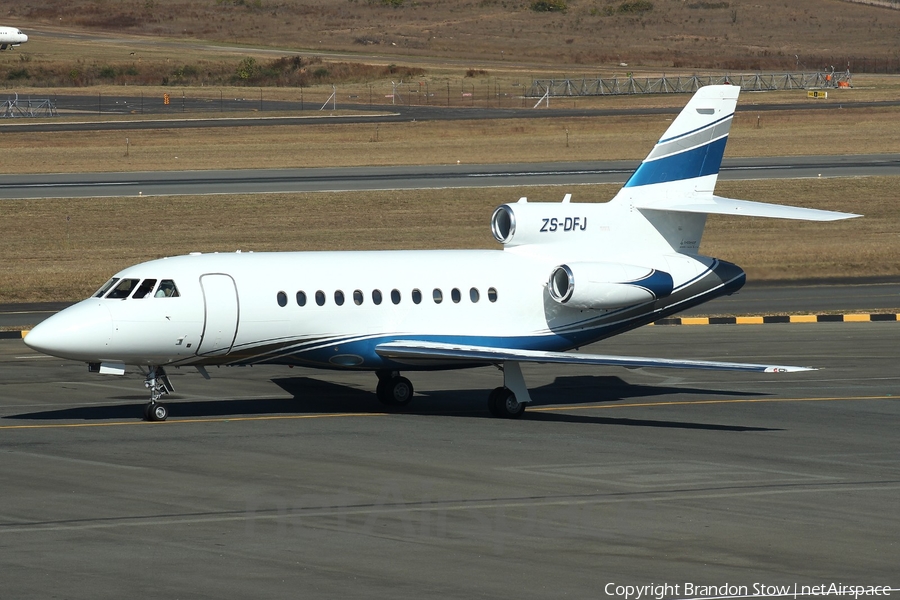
(636, 6)
(247, 68)
(549, 6)
(18, 74)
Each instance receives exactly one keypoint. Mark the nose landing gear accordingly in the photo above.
(159, 385)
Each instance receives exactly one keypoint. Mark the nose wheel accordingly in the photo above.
(154, 411)
(159, 385)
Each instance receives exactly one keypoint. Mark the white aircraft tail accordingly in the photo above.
(673, 187)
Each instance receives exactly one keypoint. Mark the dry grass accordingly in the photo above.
(765, 34)
(64, 249)
(438, 142)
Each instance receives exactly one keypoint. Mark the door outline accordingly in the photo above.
(221, 311)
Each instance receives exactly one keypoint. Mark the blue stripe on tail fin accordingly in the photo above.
(694, 144)
(697, 162)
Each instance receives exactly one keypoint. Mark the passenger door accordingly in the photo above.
(221, 314)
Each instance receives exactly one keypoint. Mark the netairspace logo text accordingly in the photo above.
(694, 591)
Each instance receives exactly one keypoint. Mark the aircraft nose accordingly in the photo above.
(80, 332)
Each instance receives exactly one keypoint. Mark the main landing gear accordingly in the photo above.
(508, 401)
(393, 389)
(502, 402)
(158, 383)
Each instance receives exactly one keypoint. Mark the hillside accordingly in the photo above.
(732, 35)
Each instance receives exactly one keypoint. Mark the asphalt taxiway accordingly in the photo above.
(273, 482)
(246, 181)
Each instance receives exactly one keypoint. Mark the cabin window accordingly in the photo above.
(455, 295)
(376, 296)
(416, 296)
(438, 296)
(99, 293)
(320, 298)
(358, 297)
(123, 289)
(301, 298)
(166, 289)
(145, 288)
(492, 294)
(339, 298)
(395, 296)
(282, 299)
(474, 296)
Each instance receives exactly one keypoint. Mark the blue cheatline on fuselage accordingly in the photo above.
(359, 351)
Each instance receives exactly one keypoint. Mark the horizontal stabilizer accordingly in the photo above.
(412, 351)
(717, 205)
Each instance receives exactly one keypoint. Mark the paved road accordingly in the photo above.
(246, 181)
(291, 483)
(201, 112)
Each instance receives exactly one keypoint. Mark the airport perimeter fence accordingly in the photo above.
(482, 92)
(682, 84)
(13, 108)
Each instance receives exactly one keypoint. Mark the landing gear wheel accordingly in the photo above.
(494, 401)
(382, 391)
(159, 385)
(502, 403)
(156, 412)
(394, 391)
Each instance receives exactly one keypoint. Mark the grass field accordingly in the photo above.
(64, 249)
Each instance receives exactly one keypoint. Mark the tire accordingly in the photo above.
(401, 391)
(383, 392)
(158, 412)
(494, 401)
(507, 405)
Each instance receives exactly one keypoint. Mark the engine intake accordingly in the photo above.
(607, 285)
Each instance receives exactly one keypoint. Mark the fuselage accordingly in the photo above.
(11, 36)
(330, 309)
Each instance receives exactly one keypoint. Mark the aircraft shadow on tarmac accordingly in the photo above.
(313, 396)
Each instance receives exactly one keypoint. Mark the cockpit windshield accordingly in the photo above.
(120, 289)
(99, 293)
(145, 288)
(123, 289)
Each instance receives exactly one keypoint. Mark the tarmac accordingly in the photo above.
(270, 482)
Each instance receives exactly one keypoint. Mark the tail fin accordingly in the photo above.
(673, 186)
(688, 156)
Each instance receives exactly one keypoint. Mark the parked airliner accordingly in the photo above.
(568, 274)
(10, 36)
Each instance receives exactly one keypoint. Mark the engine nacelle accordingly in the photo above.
(544, 222)
(607, 285)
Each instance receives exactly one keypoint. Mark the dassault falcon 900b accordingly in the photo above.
(568, 275)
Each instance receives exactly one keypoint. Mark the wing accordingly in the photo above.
(421, 352)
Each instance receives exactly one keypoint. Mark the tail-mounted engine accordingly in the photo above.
(607, 285)
(544, 222)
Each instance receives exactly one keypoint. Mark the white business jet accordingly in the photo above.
(10, 36)
(568, 275)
